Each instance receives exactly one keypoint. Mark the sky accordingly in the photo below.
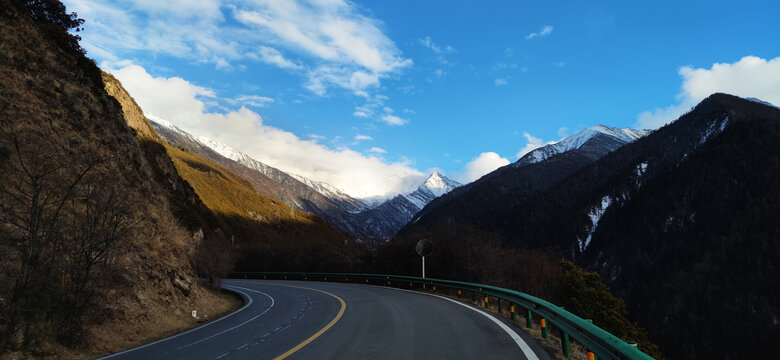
(372, 96)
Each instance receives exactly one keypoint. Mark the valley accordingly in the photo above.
(132, 199)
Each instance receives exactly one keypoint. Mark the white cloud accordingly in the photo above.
(272, 56)
(182, 103)
(393, 120)
(751, 76)
(375, 107)
(533, 144)
(363, 137)
(340, 44)
(500, 82)
(563, 132)
(378, 150)
(316, 137)
(251, 100)
(427, 42)
(546, 30)
(479, 166)
(355, 50)
(181, 28)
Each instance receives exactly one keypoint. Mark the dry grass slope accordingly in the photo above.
(53, 96)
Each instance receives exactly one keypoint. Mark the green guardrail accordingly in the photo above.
(601, 343)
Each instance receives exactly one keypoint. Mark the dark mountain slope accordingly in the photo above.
(700, 244)
(683, 224)
(485, 203)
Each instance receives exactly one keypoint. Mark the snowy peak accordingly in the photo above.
(576, 141)
(762, 102)
(323, 188)
(436, 185)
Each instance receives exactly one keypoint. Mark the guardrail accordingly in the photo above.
(595, 339)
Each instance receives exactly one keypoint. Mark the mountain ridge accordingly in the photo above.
(579, 139)
(366, 221)
(659, 218)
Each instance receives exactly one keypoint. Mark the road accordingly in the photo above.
(319, 320)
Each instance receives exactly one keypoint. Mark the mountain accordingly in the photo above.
(383, 221)
(367, 221)
(579, 139)
(484, 201)
(93, 253)
(249, 209)
(436, 185)
(681, 223)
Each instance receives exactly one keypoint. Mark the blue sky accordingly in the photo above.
(371, 96)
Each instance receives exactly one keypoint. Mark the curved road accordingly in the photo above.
(317, 320)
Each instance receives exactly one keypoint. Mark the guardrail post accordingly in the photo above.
(591, 356)
(529, 323)
(543, 325)
(565, 345)
(459, 294)
(512, 310)
(486, 302)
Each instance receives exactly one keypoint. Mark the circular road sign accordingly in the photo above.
(424, 247)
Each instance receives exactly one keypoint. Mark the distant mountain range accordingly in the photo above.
(682, 223)
(368, 221)
(483, 200)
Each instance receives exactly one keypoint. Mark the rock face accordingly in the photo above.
(367, 222)
(133, 114)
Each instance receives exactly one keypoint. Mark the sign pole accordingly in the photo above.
(423, 270)
(423, 248)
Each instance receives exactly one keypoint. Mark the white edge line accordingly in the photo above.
(239, 325)
(245, 296)
(529, 354)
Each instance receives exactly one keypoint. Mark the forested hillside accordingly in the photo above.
(682, 224)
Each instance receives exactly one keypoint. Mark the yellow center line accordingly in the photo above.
(321, 331)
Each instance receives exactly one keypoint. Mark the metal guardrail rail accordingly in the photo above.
(597, 340)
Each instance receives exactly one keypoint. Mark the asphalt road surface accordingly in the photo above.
(318, 320)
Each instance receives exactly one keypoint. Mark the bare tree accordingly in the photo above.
(62, 216)
(35, 184)
(100, 217)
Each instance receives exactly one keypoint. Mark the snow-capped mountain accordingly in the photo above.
(436, 185)
(370, 219)
(576, 141)
(661, 218)
(384, 220)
